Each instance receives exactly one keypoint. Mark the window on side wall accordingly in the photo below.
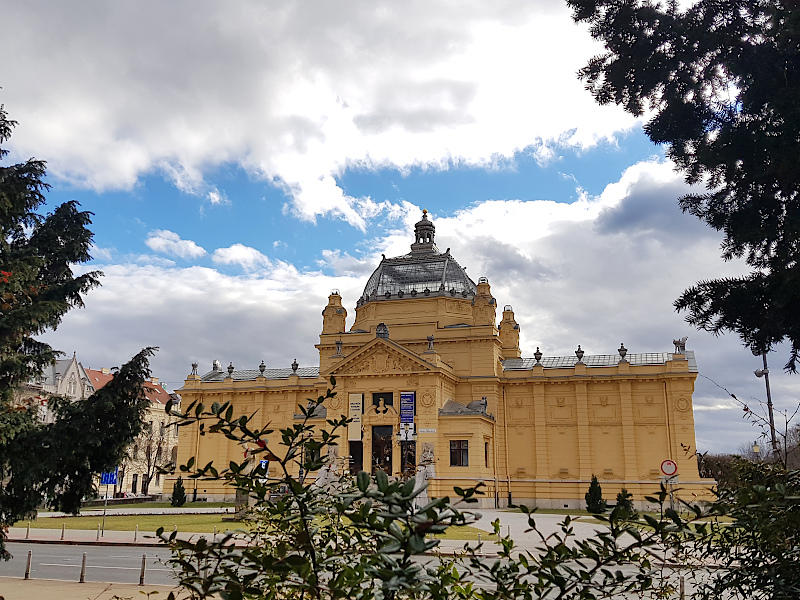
(459, 453)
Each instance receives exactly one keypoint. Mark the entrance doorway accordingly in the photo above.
(382, 449)
(408, 458)
(356, 457)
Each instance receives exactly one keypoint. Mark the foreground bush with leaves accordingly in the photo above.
(368, 536)
(754, 537)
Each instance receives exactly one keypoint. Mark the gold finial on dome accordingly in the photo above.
(424, 211)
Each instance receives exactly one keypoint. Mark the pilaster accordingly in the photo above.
(540, 431)
(584, 441)
(628, 429)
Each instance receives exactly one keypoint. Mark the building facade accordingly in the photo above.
(434, 382)
(155, 450)
(65, 378)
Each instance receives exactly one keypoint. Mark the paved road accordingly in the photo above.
(109, 564)
(122, 563)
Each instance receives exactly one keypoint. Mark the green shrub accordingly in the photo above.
(624, 500)
(594, 497)
(178, 493)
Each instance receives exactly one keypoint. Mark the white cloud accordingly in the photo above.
(169, 242)
(417, 83)
(344, 264)
(102, 254)
(244, 256)
(189, 179)
(216, 197)
(149, 259)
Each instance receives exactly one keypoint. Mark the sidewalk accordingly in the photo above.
(514, 523)
(90, 536)
(14, 588)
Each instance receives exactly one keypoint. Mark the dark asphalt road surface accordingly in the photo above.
(117, 564)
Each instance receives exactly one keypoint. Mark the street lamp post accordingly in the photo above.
(765, 373)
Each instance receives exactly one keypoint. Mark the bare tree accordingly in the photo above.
(151, 454)
(787, 435)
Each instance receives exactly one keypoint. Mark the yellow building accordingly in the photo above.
(432, 379)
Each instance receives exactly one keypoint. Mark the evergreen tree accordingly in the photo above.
(719, 83)
(178, 493)
(50, 463)
(624, 500)
(594, 497)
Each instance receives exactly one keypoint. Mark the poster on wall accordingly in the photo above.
(356, 408)
(407, 407)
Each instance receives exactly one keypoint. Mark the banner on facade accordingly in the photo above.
(407, 407)
(356, 408)
(406, 432)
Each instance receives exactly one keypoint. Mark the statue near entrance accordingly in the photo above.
(425, 470)
(328, 477)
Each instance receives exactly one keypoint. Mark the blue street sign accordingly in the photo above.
(109, 478)
(264, 464)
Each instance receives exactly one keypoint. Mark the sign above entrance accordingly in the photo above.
(407, 407)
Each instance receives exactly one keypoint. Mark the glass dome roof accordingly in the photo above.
(423, 272)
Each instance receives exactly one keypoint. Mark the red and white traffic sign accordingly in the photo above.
(669, 468)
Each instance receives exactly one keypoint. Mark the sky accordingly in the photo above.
(242, 159)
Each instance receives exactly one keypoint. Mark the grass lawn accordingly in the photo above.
(163, 505)
(194, 524)
(465, 533)
(187, 505)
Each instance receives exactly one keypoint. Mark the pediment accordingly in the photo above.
(382, 357)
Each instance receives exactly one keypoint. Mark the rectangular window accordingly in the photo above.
(459, 453)
(486, 453)
(134, 483)
(162, 428)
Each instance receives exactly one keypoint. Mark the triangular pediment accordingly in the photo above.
(382, 357)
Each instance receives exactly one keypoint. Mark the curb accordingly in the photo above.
(87, 543)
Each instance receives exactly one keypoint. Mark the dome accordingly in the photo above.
(423, 272)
